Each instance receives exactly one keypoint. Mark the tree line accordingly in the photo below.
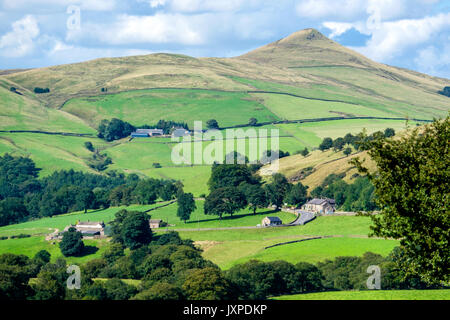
(23, 196)
(171, 268)
(116, 129)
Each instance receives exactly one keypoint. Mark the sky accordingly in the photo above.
(413, 34)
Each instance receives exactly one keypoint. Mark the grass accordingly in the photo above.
(31, 246)
(148, 106)
(61, 221)
(443, 294)
(199, 220)
(321, 249)
(228, 247)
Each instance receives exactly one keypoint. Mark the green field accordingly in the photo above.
(31, 246)
(148, 106)
(60, 222)
(228, 247)
(372, 295)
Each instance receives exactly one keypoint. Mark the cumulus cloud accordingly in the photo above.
(393, 38)
(93, 5)
(159, 28)
(19, 41)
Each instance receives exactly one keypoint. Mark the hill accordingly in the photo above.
(303, 76)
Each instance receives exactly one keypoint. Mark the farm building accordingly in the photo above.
(327, 206)
(88, 228)
(145, 133)
(180, 132)
(155, 223)
(271, 221)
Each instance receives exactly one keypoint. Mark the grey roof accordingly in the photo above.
(274, 219)
(149, 131)
(155, 220)
(321, 201)
(89, 223)
(180, 132)
(90, 231)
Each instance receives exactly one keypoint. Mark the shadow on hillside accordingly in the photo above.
(225, 218)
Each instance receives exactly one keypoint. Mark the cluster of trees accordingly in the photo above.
(351, 140)
(235, 186)
(114, 129)
(41, 90)
(23, 196)
(358, 196)
(169, 268)
(98, 161)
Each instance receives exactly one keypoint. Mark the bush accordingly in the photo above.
(41, 90)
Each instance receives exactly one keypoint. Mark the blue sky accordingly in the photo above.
(413, 34)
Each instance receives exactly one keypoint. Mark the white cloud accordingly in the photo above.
(20, 41)
(337, 28)
(316, 9)
(393, 38)
(431, 60)
(92, 5)
(160, 28)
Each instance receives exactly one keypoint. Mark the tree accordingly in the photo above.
(445, 91)
(114, 129)
(297, 194)
(326, 144)
(304, 152)
(255, 195)
(226, 200)
(347, 151)
(229, 175)
(212, 124)
(206, 284)
(160, 291)
(85, 199)
(277, 190)
(88, 145)
(411, 187)
(309, 277)
(338, 144)
(389, 132)
(186, 205)
(72, 243)
(135, 230)
(252, 122)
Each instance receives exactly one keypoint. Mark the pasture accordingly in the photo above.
(443, 294)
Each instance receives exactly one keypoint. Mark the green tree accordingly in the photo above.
(297, 195)
(304, 152)
(326, 144)
(255, 195)
(252, 121)
(338, 144)
(135, 230)
(347, 151)
(308, 278)
(72, 243)
(277, 189)
(88, 145)
(212, 124)
(224, 200)
(186, 205)
(206, 284)
(389, 132)
(412, 190)
(229, 175)
(161, 291)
